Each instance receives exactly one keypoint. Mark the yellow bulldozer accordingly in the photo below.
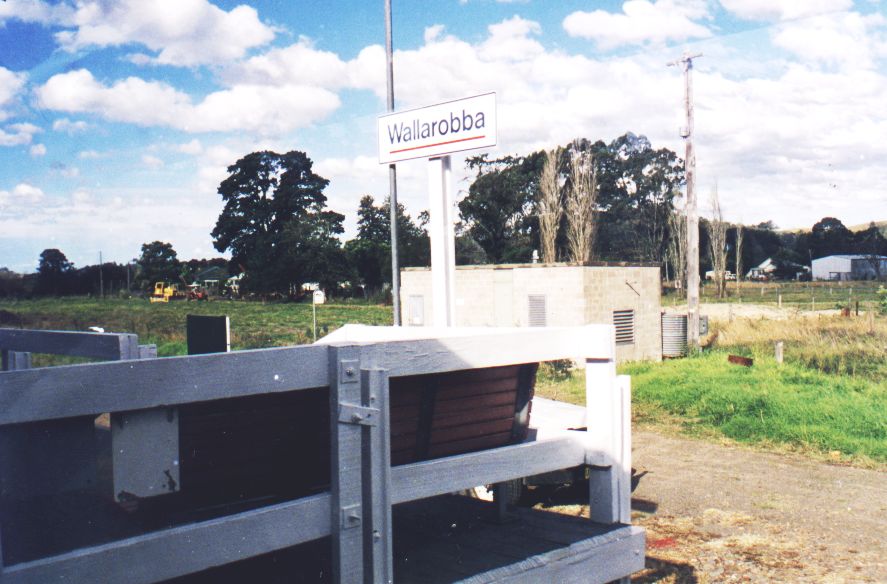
(165, 291)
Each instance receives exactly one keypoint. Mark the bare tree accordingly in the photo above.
(581, 201)
(717, 238)
(739, 235)
(549, 207)
(677, 246)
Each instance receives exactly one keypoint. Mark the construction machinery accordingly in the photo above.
(165, 291)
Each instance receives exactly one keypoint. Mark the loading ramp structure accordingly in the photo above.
(372, 520)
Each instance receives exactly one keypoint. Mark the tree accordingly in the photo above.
(499, 211)
(581, 197)
(158, 263)
(677, 247)
(717, 238)
(54, 273)
(549, 207)
(274, 211)
(636, 188)
(738, 238)
(829, 237)
(873, 245)
(370, 252)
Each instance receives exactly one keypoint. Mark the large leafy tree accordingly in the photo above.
(54, 273)
(158, 262)
(370, 252)
(637, 186)
(275, 222)
(499, 211)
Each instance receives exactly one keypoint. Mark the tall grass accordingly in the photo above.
(831, 344)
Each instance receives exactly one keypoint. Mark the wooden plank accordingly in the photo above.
(59, 392)
(447, 475)
(490, 349)
(183, 550)
(107, 346)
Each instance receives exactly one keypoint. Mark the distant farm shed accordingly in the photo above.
(507, 295)
(850, 267)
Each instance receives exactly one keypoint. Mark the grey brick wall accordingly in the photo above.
(573, 295)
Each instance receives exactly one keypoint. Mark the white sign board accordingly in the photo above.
(437, 130)
(319, 297)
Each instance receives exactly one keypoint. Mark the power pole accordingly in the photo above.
(692, 215)
(392, 171)
(101, 278)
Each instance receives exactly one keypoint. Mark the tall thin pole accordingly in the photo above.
(392, 172)
(101, 278)
(692, 214)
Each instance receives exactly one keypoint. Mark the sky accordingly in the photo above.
(118, 118)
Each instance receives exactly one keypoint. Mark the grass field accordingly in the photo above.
(800, 295)
(253, 324)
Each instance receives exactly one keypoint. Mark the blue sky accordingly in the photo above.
(118, 118)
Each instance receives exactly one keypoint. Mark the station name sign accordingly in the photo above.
(437, 130)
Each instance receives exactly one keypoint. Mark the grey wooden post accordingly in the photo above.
(376, 462)
(346, 480)
(15, 360)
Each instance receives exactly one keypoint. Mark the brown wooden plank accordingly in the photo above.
(471, 416)
(470, 445)
(454, 433)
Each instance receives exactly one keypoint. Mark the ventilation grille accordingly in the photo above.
(536, 303)
(623, 320)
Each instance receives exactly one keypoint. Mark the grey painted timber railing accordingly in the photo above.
(356, 511)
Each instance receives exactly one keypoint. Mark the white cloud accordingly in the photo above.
(22, 193)
(11, 84)
(193, 147)
(152, 162)
(510, 40)
(36, 11)
(81, 197)
(38, 150)
(847, 39)
(641, 22)
(18, 134)
(258, 108)
(783, 9)
(89, 155)
(182, 32)
(69, 127)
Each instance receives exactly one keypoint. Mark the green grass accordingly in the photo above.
(800, 295)
(766, 404)
(253, 324)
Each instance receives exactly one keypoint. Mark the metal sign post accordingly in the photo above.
(443, 240)
(434, 132)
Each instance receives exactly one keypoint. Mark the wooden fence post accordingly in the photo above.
(779, 347)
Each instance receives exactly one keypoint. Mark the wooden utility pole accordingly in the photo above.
(692, 214)
(392, 171)
(101, 278)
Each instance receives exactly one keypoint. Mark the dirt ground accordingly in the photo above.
(720, 513)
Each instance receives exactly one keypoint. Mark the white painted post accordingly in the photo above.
(779, 349)
(608, 428)
(443, 241)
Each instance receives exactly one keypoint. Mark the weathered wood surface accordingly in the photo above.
(61, 392)
(181, 550)
(450, 539)
(108, 346)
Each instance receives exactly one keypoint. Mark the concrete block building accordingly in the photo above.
(627, 296)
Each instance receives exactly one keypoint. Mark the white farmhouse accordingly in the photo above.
(850, 267)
